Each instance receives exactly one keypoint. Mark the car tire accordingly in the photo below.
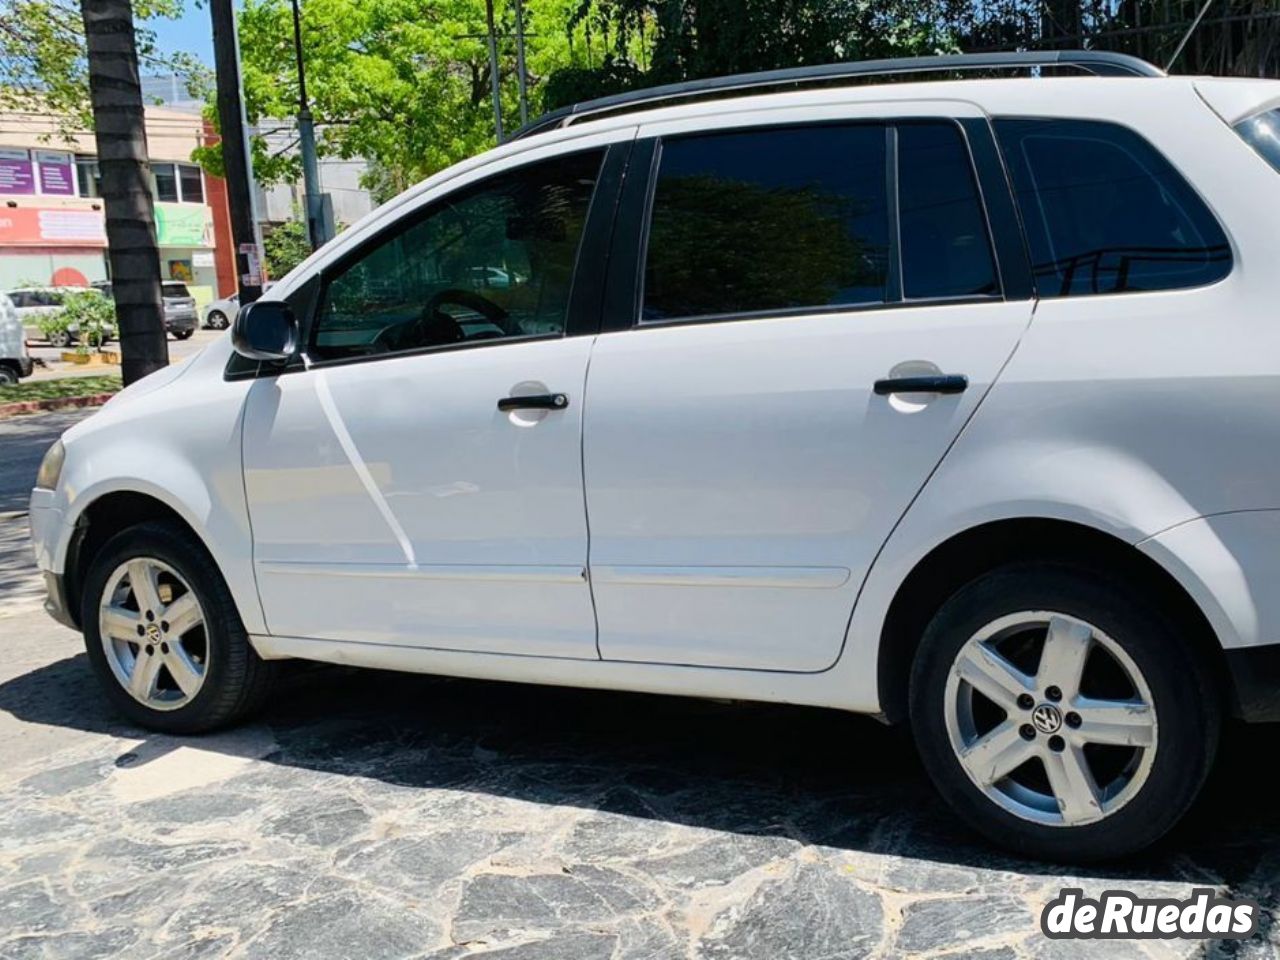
(60, 339)
(972, 725)
(182, 334)
(217, 320)
(225, 681)
(8, 376)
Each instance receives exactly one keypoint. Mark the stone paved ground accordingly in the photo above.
(372, 815)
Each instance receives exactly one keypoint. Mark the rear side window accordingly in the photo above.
(1106, 213)
(946, 252)
(768, 220)
(1263, 134)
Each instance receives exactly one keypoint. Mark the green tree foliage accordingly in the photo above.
(402, 84)
(689, 39)
(43, 64)
(285, 247)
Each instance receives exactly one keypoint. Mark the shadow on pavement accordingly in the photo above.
(817, 776)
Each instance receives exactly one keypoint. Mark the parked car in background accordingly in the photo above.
(36, 304)
(218, 315)
(950, 402)
(180, 317)
(15, 362)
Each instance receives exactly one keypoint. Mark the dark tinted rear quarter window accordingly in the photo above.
(946, 252)
(768, 220)
(1105, 212)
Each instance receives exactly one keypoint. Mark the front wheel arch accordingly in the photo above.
(972, 553)
(101, 520)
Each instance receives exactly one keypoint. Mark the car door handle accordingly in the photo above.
(539, 401)
(939, 383)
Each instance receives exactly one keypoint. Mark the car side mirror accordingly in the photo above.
(265, 330)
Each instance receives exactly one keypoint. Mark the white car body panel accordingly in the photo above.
(1150, 417)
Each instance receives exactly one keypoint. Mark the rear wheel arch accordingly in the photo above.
(976, 551)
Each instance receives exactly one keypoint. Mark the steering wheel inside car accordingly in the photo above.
(436, 327)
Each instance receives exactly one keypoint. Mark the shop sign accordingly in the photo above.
(52, 227)
(16, 174)
(57, 173)
(182, 225)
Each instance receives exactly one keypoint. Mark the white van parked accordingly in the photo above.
(951, 402)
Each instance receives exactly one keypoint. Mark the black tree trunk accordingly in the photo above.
(120, 131)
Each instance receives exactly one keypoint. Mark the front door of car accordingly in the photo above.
(420, 481)
(818, 311)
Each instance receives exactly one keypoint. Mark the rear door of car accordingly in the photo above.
(804, 309)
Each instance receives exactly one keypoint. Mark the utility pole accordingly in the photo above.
(493, 70)
(235, 150)
(520, 74)
(317, 223)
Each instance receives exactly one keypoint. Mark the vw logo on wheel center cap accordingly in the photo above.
(1047, 718)
(153, 633)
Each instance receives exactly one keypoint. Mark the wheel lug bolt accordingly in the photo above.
(142, 631)
(164, 625)
(1053, 693)
(1057, 744)
(1025, 700)
(150, 615)
(1028, 731)
(1073, 719)
(164, 648)
(150, 649)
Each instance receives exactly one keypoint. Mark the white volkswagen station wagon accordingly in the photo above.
(953, 402)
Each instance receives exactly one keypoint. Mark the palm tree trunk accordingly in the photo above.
(120, 131)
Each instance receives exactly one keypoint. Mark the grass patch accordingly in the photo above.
(58, 389)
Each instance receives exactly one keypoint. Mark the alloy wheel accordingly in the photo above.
(1050, 718)
(153, 632)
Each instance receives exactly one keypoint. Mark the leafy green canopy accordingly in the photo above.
(401, 83)
(43, 65)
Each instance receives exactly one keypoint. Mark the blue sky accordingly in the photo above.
(193, 33)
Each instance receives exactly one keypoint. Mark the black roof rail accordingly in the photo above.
(1097, 62)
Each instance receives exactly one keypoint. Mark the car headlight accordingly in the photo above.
(51, 467)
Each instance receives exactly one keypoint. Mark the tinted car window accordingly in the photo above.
(768, 220)
(1106, 213)
(173, 289)
(430, 283)
(946, 251)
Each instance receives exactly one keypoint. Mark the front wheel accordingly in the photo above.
(8, 376)
(217, 320)
(182, 334)
(164, 636)
(60, 339)
(1062, 715)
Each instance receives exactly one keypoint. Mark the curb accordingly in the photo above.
(55, 403)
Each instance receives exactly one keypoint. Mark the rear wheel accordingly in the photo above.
(182, 334)
(163, 634)
(60, 339)
(8, 376)
(1061, 715)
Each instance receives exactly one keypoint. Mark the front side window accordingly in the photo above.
(768, 220)
(494, 262)
(166, 182)
(1105, 212)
